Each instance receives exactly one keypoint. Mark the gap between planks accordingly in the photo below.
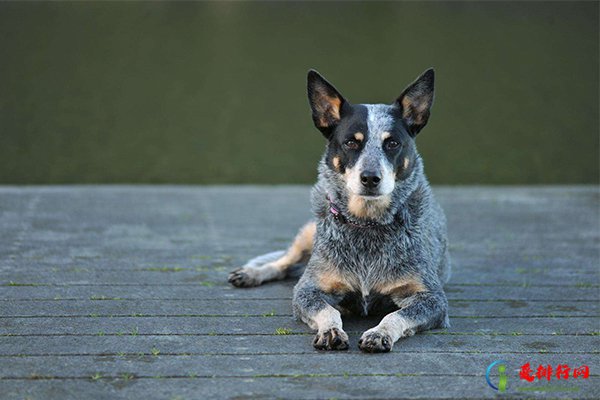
(109, 316)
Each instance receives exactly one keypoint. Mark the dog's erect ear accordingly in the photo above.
(415, 102)
(325, 101)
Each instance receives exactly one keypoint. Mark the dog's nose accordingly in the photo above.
(370, 179)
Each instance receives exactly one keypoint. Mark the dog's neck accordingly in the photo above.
(331, 197)
(366, 209)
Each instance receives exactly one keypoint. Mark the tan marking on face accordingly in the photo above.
(331, 281)
(385, 135)
(336, 163)
(363, 208)
(300, 249)
(359, 136)
(406, 161)
(404, 287)
(356, 206)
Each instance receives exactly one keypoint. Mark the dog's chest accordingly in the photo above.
(373, 295)
(367, 253)
(365, 264)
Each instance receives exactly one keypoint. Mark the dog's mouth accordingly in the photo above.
(372, 196)
(369, 194)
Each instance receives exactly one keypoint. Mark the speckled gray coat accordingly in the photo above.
(411, 241)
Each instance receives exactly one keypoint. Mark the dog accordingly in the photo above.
(378, 244)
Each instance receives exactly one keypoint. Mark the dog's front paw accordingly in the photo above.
(331, 339)
(373, 341)
(243, 277)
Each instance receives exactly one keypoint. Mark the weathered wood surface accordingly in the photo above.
(120, 292)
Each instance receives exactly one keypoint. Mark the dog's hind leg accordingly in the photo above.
(276, 265)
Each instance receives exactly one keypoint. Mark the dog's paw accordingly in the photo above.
(243, 277)
(331, 339)
(373, 341)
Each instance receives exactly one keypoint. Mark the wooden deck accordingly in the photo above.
(117, 292)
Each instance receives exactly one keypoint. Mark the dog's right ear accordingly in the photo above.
(325, 101)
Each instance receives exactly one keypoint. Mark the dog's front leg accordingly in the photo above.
(421, 311)
(311, 305)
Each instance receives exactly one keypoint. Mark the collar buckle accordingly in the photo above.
(337, 215)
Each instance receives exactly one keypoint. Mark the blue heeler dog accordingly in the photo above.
(378, 244)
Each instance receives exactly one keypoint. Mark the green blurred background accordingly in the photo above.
(215, 92)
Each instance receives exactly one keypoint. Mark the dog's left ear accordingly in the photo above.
(415, 102)
(325, 101)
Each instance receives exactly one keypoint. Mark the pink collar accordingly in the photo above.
(342, 219)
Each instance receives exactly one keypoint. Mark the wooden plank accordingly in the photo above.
(120, 346)
(295, 387)
(268, 325)
(280, 290)
(274, 364)
(174, 273)
(279, 307)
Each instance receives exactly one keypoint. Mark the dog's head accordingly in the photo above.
(371, 146)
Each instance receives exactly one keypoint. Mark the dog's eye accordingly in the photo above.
(351, 144)
(391, 145)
